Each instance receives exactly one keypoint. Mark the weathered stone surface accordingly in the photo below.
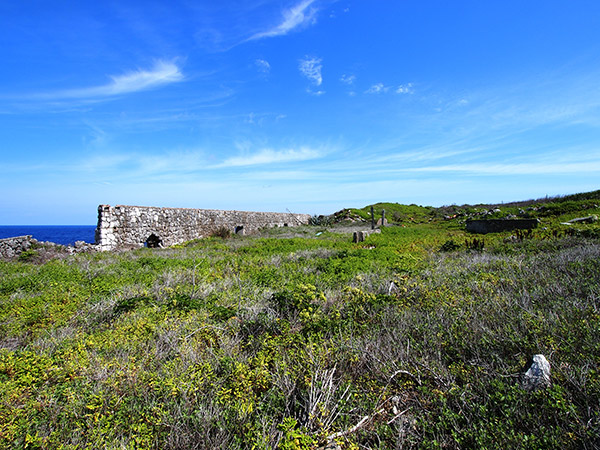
(360, 236)
(498, 225)
(331, 445)
(81, 247)
(536, 373)
(588, 219)
(14, 246)
(138, 226)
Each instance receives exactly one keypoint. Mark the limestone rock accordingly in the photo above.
(331, 445)
(383, 222)
(14, 246)
(536, 373)
(360, 236)
(588, 219)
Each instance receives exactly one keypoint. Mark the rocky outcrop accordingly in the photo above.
(14, 246)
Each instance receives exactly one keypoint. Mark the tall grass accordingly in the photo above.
(292, 342)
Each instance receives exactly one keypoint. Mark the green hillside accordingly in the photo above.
(552, 210)
(300, 338)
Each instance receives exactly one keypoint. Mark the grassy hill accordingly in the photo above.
(558, 208)
(415, 338)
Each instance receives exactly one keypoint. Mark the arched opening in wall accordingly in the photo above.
(153, 241)
(285, 224)
(239, 229)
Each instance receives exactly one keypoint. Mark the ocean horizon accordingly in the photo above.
(59, 234)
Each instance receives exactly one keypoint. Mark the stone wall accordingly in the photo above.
(498, 225)
(14, 246)
(138, 226)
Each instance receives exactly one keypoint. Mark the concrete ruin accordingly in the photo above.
(361, 236)
(498, 225)
(125, 227)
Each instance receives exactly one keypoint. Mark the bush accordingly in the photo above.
(322, 221)
(223, 232)
(28, 255)
(449, 246)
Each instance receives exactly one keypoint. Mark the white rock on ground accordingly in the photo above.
(537, 373)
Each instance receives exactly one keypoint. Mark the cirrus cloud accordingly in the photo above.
(300, 15)
(269, 156)
(348, 79)
(162, 73)
(311, 68)
(262, 65)
(378, 88)
(405, 89)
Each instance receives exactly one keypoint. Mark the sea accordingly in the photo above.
(59, 234)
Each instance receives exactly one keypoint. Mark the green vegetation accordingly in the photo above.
(414, 338)
(557, 208)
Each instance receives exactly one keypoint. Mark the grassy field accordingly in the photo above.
(415, 338)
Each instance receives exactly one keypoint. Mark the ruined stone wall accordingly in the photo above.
(14, 246)
(497, 225)
(139, 226)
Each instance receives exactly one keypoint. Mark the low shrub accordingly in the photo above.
(293, 342)
(222, 232)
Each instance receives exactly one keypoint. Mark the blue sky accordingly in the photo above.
(302, 105)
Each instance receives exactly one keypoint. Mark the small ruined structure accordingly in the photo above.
(485, 226)
(14, 247)
(146, 226)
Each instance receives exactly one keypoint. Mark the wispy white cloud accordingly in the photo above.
(311, 68)
(298, 16)
(405, 89)
(262, 65)
(137, 165)
(348, 79)
(162, 73)
(378, 88)
(427, 154)
(268, 156)
(529, 168)
(261, 119)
